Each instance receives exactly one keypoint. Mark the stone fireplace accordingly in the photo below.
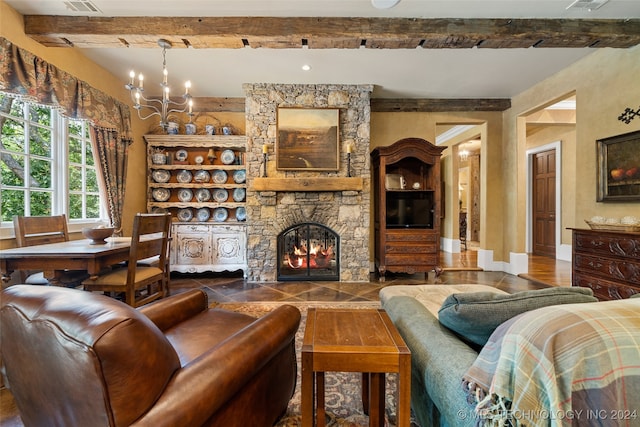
(284, 200)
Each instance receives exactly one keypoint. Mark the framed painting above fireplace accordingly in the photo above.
(619, 168)
(307, 139)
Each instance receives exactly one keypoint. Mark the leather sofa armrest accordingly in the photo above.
(199, 389)
(175, 309)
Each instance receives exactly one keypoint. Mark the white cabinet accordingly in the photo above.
(201, 247)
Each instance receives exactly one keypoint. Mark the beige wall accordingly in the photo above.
(604, 83)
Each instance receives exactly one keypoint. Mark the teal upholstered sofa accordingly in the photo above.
(441, 357)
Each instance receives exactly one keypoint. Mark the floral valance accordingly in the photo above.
(24, 74)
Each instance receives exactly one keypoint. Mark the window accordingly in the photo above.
(46, 164)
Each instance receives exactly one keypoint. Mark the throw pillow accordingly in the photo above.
(475, 315)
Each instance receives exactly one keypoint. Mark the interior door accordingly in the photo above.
(544, 203)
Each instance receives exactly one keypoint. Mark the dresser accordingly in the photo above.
(607, 262)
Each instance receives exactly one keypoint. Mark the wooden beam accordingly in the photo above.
(378, 105)
(330, 32)
(210, 104)
(308, 184)
(386, 105)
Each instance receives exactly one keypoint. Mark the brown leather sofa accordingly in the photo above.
(73, 358)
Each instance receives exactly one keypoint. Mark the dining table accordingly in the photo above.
(54, 258)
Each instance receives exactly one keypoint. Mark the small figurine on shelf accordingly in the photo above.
(211, 156)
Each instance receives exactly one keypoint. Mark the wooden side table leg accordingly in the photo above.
(308, 389)
(365, 392)
(320, 411)
(403, 401)
(376, 400)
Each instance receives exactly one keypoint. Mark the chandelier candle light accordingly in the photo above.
(159, 107)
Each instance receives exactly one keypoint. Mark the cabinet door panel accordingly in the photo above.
(192, 248)
(228, 249)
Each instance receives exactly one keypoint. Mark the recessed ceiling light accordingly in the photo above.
(384, 4)
(306, 67)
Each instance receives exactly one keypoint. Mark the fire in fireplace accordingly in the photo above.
(308, 251)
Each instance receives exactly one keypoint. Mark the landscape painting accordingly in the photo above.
(307, 139)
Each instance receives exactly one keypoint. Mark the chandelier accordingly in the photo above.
(159, 107)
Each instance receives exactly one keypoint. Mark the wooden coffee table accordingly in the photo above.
(354, 340)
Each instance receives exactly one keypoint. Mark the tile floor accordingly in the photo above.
(458, 268)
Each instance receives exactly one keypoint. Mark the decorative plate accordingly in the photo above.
(238, 194)
(220, 195)
(185, 195)
(239, 176)
(241, 214)
(158, 210)
(161, 175)
(220, 177)
(161, 194)
(182, 155)
(184, 176)
(198, 160)
(201, 176)
(227, 157)
(203, 214)
(203, 195)
(185, 215)
(220, 214)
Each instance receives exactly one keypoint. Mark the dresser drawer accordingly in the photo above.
(408, 260)
(412, 235)
(410, 249)
(608, 244)
(604, 289)
(618, 269)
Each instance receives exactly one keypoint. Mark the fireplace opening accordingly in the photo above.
(308, 251)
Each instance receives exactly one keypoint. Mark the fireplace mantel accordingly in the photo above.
(308, 184)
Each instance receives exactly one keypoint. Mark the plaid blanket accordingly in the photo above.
(576, 364)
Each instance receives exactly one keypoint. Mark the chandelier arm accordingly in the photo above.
(154, 113)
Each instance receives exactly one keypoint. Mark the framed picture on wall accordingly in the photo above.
(307, 139)
(619, 168)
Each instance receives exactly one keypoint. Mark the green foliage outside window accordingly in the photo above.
(32, 149)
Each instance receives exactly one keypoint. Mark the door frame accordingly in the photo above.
(557, 146)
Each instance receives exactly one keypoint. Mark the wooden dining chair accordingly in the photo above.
(140, 284)
(41, 230)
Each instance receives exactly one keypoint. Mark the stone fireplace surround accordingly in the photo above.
(346, 211)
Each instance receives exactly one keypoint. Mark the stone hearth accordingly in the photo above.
(344, 210)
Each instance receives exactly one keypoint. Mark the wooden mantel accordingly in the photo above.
(308, 184)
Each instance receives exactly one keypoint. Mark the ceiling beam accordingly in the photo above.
(406, 105)
(378, 105)
(330, 32)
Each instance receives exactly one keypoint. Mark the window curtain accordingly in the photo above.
(28, 76)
